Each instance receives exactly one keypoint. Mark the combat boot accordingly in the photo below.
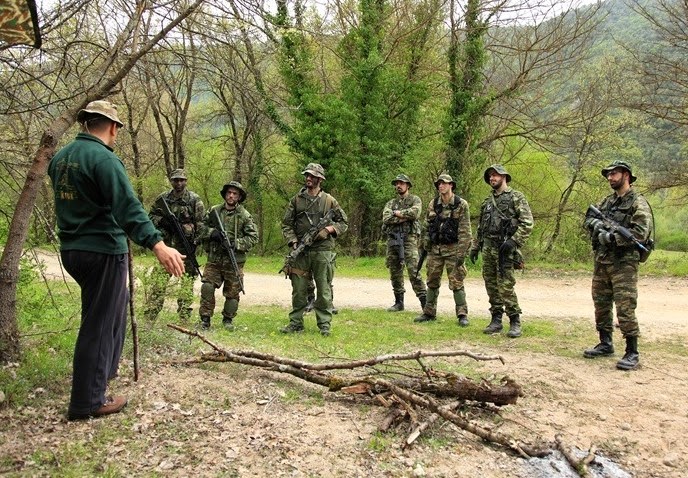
(423, 299)
(603, 349)
(398, 303)
(424, 318)
(463, 320)
(514, 326)
(631, 358)
(205, 322)
(292, 329)
(495, 325)
(228, 325)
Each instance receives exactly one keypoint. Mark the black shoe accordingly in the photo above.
(205, 323)
(325, 332)
(630, 361)
(291, 329)
(599, 350)
(228, 325)
(463, 320)
(424, 318)
(495, 326)
(514, 326)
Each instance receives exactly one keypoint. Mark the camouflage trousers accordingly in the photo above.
(159, 282)
(216, 274)
(396, 267)
(499, 287)
(319, 267)
(440, 258)
(616, 285)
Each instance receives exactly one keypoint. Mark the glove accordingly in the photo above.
(216, 236)
(322, 234)
(593, 223)
(473, 255)
(606, 238)
(508, 246)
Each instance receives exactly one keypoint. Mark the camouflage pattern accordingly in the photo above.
(619, 164)
(189, 211)
(499, 169)
(512, 207)
(499, 288)
(615, 277)
(19, 23)
(449, 256)
(243, 234)
(410, 207)
(318, 260)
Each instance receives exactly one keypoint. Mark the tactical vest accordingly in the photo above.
(497, 216)
(443, 229)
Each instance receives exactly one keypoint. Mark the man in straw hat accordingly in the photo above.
(96, 209)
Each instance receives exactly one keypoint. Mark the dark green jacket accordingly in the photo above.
(96, 206)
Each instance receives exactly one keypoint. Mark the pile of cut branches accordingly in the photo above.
(418, 394)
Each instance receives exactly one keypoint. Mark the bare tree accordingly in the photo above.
(116, 47)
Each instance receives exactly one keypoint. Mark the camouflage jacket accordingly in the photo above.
(455, 216)
(187, 208)
(240, 228)
(631, 211)
(505, 212)
(304, 211)
(410, 207)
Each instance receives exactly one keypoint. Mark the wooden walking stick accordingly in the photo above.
(132, 314)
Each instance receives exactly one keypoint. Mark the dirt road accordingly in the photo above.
(662, 304)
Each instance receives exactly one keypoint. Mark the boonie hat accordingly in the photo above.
(235, 185)
(403, 178)
(102, 108)
(445, 178)
(314, 169)
(499, 169)
(619, 164)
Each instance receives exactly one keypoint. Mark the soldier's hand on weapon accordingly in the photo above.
(322, 234)
(216, 236)
(473, 255)
(606, 238)
(593, 223)
(508, 246)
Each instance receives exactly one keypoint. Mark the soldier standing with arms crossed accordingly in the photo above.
(446, 239)
(242, 235)
(305, 210)
(188, 209)
(401, 219)
(615, 277)
(505, 224)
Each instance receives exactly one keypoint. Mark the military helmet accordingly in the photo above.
(235, 185)
(445, 178)
(403, 178)
(102, 108)
(499, 169)
(314, 169)
(178, 174)
(619, 164)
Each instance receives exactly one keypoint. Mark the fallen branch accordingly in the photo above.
(578, 464)
(420, 391)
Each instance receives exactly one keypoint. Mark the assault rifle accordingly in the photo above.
(230, 250)
(189, 248)
(305, 241)
(396, 240)
(508, 228)
(421, 258)
(613, 226)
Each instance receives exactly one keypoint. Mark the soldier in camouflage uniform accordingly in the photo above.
(615, 277)
(401, 220)
(243, 235)
(505, 224)
(188, 208)
(446, 238)
(305, 210)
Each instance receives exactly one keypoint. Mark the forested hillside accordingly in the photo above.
(253, 92)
